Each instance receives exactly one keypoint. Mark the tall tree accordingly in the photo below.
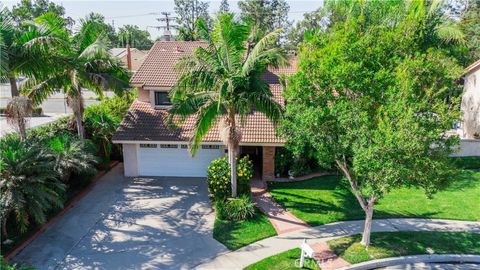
(377, 100)
(135, 37)
(85, 64)
(267, 15)
(98, 20)
(224, 6)
(470, 24)
(221, 84)
(27, 10)
(188, 12)
(26, 51)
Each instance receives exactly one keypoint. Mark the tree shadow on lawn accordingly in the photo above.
(324, 200)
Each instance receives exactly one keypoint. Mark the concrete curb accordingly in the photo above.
(70, 204)
(433, 258)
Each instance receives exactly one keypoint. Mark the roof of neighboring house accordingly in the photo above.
(473, 67)
(158, 69)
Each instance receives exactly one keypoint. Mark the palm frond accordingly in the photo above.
(206, 117)
(450, 31)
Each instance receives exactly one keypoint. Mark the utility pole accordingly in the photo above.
(167, 19)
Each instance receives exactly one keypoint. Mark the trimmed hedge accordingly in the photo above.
(218, 177)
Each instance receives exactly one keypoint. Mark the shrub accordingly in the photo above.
(5, 266)
(218, 177)
(466, 162)
(241, 208)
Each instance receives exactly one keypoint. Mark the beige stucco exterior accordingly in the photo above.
(471, 104)
(130, 160)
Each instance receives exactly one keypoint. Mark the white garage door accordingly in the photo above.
(175, 160)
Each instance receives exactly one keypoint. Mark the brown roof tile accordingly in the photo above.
(144, 123)
(158, 69)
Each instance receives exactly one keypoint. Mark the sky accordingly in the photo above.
(144, 13)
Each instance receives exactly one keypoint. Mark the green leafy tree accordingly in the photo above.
(267, 15)
(27, 10)
(188, 12)
(135, 37)
(85, 64)
(470, 24)
(377, 101)
(221, 84)
(98, 20)
(224, 6)
(26, 51)
(28, 186)
(70, 156)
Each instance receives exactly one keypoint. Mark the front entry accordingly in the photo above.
(255, 155)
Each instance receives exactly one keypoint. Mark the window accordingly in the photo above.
(148, 145)
(168, 145)
(162, 99)
(184, 146)
(210, 146)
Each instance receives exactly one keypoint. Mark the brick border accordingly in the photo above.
(70, 204)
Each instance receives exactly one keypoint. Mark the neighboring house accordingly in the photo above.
(471, 102)
(469, 130)
(152, 148)
(137, 56)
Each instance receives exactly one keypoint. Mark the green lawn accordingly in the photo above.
(328, 199)
(236, 234)
(383, 245)
(283, 261)
(396, 244)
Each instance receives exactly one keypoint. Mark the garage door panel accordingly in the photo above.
(175, 161)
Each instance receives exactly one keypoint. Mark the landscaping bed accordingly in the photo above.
(384, 245)
(327, 199)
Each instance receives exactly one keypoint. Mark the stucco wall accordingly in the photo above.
(143, 95)
(130, 161)
(471, 105)
(468, 148)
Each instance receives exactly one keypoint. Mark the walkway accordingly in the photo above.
(265, 248)
(130, 223)
(282, 220)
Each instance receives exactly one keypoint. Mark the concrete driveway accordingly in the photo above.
(124, 223)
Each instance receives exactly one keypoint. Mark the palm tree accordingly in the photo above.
(71, 156)
(28, 187)
(221, 84)
(18, 109)
(25, 50)
(85, 64)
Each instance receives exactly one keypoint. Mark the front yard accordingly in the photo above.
(327, 199)
(384, 245)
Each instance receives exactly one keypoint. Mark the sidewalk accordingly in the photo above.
(36, 121)
(270, 246)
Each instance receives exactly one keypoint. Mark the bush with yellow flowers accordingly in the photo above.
(218, 177)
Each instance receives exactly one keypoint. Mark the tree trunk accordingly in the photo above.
(232, 160)
(79, 122)
(4, 227)
(368, 225)
(22, 128)
(13, 86)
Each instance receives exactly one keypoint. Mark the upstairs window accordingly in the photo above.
(162, 99)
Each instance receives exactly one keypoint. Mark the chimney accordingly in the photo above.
(166, 35)
(129, 57)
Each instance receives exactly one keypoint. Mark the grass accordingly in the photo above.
(383, 245)
(236, 234)
(283, 261)
(328, 199)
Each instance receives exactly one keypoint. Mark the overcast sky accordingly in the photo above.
(144, 13)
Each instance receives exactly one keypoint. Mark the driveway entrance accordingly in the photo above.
(124, 223)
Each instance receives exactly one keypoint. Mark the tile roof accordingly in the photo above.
(158, 69)
(144, 123)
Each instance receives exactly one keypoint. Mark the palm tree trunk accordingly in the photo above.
(232, 160)
(22, 129)
(4, 227)
(75, 101)
(13, 85)
(79, 123)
